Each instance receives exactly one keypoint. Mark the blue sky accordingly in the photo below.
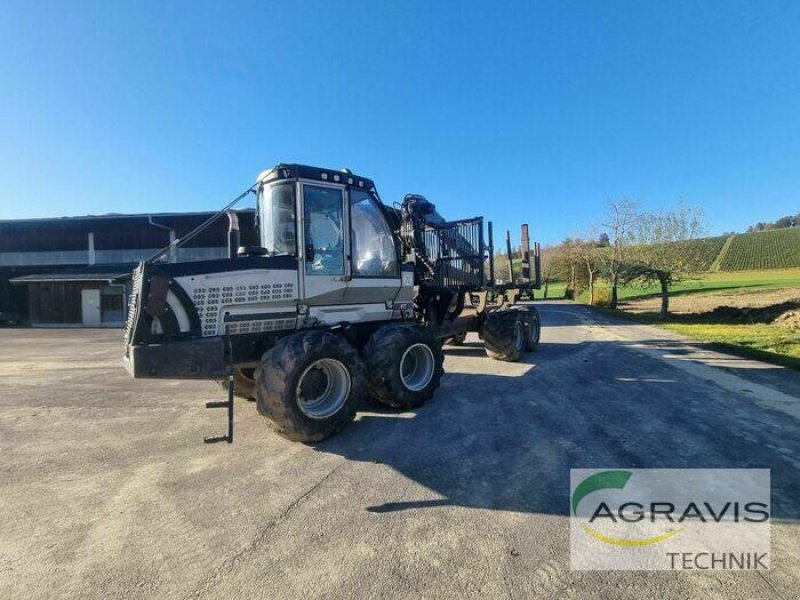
(534, 111)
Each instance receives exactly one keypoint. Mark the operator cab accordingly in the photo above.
(344, 242)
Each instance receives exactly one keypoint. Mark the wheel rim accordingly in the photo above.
(519, 335)
(534, 332)
(417, 366)
(323, 388)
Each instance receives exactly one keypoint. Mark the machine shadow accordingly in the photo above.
(503, 442)
(553, 315)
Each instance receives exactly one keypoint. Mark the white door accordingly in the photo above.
(90, 308)
(323, 245)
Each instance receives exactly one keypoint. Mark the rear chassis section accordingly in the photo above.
(452, 295)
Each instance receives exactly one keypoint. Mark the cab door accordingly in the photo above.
(324, 244)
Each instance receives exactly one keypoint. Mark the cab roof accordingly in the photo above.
(295, 171)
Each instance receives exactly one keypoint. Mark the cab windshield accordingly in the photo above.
(277, 219)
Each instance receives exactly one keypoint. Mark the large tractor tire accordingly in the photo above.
(456, 340)
(244, 383)
(404, 365)
(504, 335)
(308, 385)
(533, 328)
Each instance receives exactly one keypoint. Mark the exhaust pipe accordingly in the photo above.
(233, 234)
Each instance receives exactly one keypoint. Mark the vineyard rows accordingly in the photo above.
(775, 249)
(704, 251)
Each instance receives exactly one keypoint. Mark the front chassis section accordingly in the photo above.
(199, 320)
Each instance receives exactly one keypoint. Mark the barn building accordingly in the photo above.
(72, 271)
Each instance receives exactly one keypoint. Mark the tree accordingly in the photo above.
(550, 267)
(588, 253)
(603, 241)
(621, 214)
(501, 270)
(570, 264)
(782, 223)
(660, 252)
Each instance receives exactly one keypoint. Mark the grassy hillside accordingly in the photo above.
(775, 249)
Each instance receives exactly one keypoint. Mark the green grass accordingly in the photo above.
(775, 249)
(706, 282)
(763, 342)
(554, 291)
(709, 282)
(759, 341)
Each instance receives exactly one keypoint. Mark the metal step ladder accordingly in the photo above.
(212, 439)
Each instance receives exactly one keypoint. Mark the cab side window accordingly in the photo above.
(323, 209)
(371, 241)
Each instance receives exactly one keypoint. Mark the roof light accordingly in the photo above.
(336, 178)
(324, 176)
(350, 180)
(360, 184)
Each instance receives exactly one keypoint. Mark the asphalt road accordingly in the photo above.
(107, 490)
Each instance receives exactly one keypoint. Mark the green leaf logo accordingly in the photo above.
(599, 481)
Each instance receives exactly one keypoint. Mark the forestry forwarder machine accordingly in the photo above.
(345, 295)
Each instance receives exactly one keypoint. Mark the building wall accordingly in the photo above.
(57, 302)
(14, 298)
(80, 235)
(60, 302)
(70, 245)
(113, 305)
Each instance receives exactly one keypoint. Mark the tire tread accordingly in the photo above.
(498, 335)
(276, 378)
(382, 356)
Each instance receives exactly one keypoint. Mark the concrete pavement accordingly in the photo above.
(106, 489)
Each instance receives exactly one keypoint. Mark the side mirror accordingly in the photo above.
(309, 252)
